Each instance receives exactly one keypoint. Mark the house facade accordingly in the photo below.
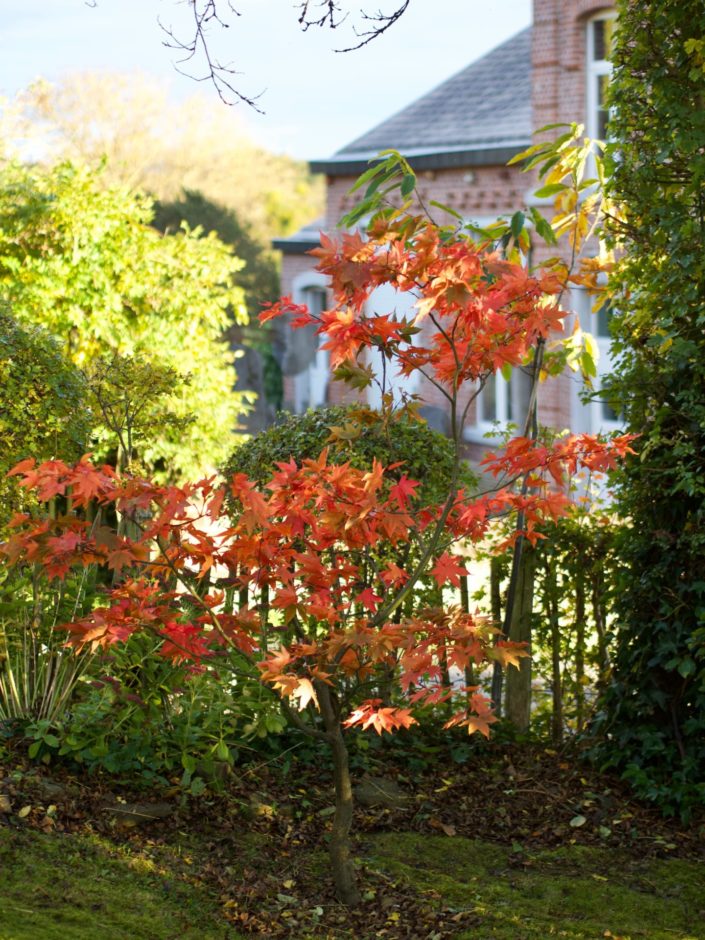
(458, 138)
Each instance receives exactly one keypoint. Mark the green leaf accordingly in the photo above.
(198, 786)
(408, 184)
(517, 223)
(222, 751)
(367, 175)
(552, 127)
(687, 667)
(545, 230)
(551, 190)
(444, 208)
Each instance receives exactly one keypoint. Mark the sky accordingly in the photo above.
(315, 100)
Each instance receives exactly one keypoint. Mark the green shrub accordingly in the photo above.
(43, 405)
(356, 435)
(652, 716)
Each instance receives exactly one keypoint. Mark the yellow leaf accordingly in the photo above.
(304, 693)
(24, 812)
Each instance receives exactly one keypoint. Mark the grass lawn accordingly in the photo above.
(84, 887)
(80, 887)
(576, 892)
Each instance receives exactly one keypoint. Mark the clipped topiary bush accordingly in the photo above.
(355, 435)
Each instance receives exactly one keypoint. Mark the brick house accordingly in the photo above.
(459, 137)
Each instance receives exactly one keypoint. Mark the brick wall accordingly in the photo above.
(474, 192)
(559, 49)
(558, 58)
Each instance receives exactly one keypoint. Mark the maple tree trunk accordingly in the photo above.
(519, 679)
(496, 608)
(340, 850)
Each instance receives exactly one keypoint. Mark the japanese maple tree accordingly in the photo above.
(292, 585)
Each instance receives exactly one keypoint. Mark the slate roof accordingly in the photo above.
(302, 241)
(480, 115)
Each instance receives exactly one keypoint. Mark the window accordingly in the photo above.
(604, 417)
(503, 402)
(311, 382)
(386, 299)
(599, 69)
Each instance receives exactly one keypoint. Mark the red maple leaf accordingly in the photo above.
(448, 570)
(403, 491)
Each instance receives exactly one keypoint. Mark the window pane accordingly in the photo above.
(608, 412)
(488, 399)
(604, 316)
(598, 40)
(602, 39)
(603, 114)
(520, 395)
(315, 300)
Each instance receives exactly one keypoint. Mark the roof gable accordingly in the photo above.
(484, 107)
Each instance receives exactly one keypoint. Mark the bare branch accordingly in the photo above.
(196, 47)
(379, 23)
(331, 15)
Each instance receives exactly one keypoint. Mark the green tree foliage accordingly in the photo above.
(43, 411)
(653, 714)
(82, 259)
(259, 278)
(152, 143)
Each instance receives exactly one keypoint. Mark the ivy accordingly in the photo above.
(653, 713)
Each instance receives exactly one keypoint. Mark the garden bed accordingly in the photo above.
(518, 842)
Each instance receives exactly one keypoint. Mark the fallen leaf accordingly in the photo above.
(24, 812)
(578, 821)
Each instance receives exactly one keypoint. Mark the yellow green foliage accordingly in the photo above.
(43, 411)
(81, 259)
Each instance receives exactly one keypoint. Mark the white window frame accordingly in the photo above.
(311, 385)
(588, 417)
(595, 70)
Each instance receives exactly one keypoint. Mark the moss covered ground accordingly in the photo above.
(80, 886)
(577, 892)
